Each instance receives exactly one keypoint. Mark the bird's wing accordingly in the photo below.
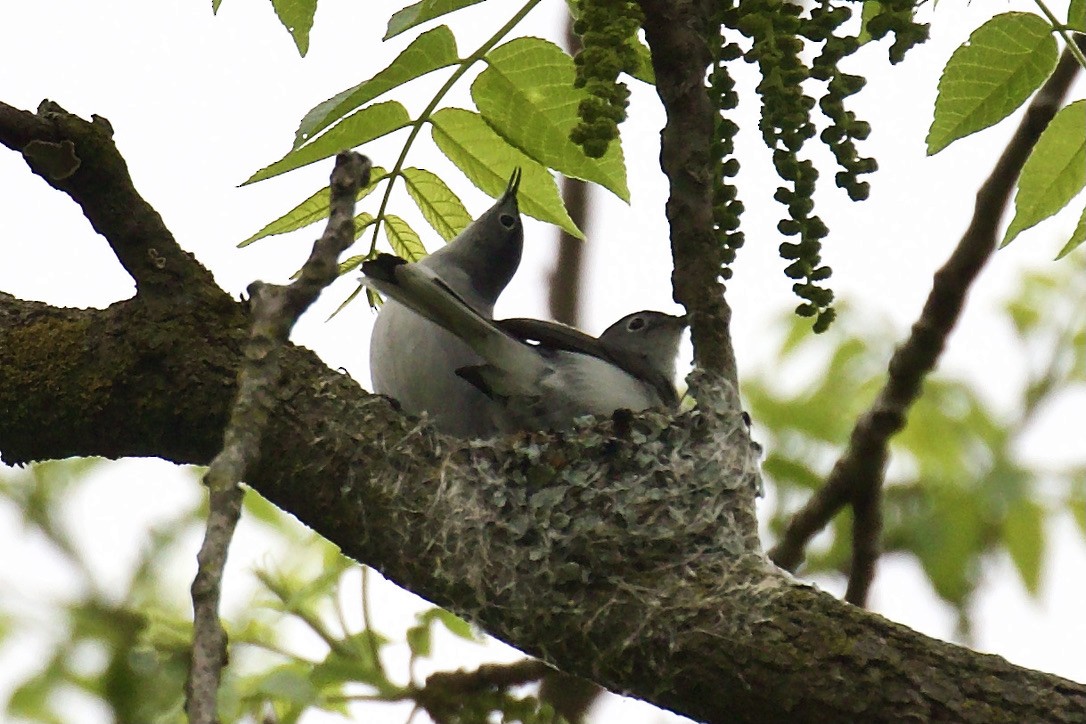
(555, 336)
(423, 291)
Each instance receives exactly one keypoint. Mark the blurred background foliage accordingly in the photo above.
(959, 491)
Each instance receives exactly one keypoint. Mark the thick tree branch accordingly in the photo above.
(857, 476)
(624, 552)
(676, 31)
(80, 159)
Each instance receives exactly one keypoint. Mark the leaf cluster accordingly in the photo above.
(1003, 63)
(143, 634)
(959, 492)
(526, 102)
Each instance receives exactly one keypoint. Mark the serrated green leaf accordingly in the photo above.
(438, 204)
(359, 128)
(430, 51)
(526, 94)
(403, 239)
(1077, 236)
(1024, 536)
(989, 76)
(215, 6)
(1055, 171)
(421, 12)
(297, 17)
(1076, 15)
(487, 160)
(312, 210)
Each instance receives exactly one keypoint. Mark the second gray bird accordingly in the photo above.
(543, 375)
(414, 361)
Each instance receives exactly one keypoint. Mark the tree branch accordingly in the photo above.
(857, 476)
(676, 31)
(623, 551)
(275, 311)
(80, 159)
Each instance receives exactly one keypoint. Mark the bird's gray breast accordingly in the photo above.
(414, 360)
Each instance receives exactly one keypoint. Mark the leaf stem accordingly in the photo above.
(417, 124)
(1062, 29)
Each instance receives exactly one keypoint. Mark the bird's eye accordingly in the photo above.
(507, 220)
(635, 324)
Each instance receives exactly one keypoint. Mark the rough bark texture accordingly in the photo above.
(676, 32)
(623, 559)
(624, 551)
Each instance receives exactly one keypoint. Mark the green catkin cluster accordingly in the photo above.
(779, 32)
(895, 16)
(727, 208)
(608, 32)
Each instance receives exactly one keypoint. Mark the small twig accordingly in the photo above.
(857, 476)
(275, 309)
(367, 619)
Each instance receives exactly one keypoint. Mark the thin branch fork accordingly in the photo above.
(433, 517)
(857, 477)
(275, 311)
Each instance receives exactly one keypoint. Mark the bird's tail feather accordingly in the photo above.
(422, 291)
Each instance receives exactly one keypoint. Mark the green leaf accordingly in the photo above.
(430, 51)
(418, 639)
(403, 239)
(359, 128)
(312, 210)
(526, 94)
(1024, 535)
(1077, 236)
(456, 626)
(487, 160)
(438, 204)
(290, 682)
(1076, 15)
(420, 13)
(1003, 62)
(1055, 171)
(297, 17)
(371, 296)
(215, 6)
(871, 9)
(1078, 512)
(645, 72)
(947, 541)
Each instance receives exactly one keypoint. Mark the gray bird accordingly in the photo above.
(414, 361)
(541, 374)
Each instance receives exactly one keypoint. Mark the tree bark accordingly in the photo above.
(624, 552)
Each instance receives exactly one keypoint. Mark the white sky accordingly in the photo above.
(198, 103)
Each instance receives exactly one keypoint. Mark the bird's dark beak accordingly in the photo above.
(514, 184)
